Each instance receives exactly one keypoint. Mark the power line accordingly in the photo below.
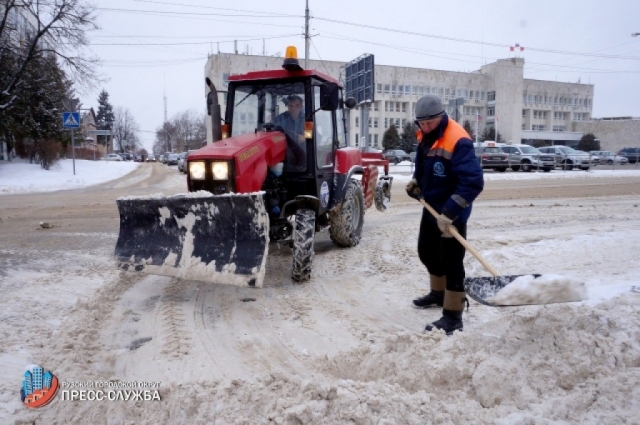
(160, 12)
(421, 52)
(462, 40)
(211, 7)
(190, 43)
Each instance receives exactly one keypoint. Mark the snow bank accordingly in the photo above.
(19, 176)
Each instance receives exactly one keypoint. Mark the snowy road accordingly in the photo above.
(345, 347)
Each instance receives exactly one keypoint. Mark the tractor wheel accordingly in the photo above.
(303, 235)
(348, 217)
(382, 195)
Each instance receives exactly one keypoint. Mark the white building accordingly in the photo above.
(497, 94)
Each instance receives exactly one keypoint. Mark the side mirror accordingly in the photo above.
(350, 102)
(329, 97)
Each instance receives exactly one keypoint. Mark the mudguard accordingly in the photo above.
(198, 236)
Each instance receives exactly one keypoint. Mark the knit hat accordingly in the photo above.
(428, 107)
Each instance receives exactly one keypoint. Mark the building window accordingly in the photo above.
(481, 95)
(393, 89)
(375, 122)
(400, 89)
(523, 113)
(536, 127)
(415, 90)
(357, 141)
(491, 96)
(407, 90)
(404, 107)
(378, 88)
(397, 106)
(559, 128)
(491, 112)
(375, 106)
(397, 122)
(386, 88)
(404, 122)
(375, 140)
(357, 121)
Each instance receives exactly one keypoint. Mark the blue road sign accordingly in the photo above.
(71, 119)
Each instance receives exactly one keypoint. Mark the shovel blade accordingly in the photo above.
(482, 288)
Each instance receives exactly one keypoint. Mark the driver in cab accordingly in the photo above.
(292, 123)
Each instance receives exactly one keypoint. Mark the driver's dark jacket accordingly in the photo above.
(292, 127)
(447, 170)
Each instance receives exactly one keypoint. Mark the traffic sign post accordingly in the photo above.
(71, 120)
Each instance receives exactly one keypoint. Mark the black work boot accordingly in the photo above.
(432, 299)
(449, 322)
(435, 298)
(452, 308)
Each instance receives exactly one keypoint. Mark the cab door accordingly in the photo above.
(325, 142)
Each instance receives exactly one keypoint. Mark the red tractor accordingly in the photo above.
(277, 168)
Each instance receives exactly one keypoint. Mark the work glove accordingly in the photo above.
(443, 224)
(413, 189)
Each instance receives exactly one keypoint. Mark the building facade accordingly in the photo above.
(497, 95)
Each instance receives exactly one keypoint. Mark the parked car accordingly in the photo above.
(595, 159)
(396, 156)
(528, 158)
(112, 157)
(182, 161)
(567, 158)
(160, 158)
(151, 158)
(632, 154)
(608, 157)
(172, 159)
(165, 157)
(492, 158)
(127, 156)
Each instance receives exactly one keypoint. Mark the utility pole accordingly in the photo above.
(306, 36)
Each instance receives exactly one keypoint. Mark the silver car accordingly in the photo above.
(610, 158)
(112, 157)
(182, 161)
(528, 158)
(567, 158)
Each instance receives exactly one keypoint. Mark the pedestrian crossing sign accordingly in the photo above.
(71, 119)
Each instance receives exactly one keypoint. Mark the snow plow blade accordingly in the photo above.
(199, 236)
(482, 288)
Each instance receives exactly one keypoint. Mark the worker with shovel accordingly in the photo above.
(449, 178)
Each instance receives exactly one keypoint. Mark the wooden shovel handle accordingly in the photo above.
(463, 241)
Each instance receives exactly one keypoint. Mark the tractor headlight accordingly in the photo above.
(196, 170)
(220, 170)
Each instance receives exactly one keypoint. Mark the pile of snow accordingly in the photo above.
(20, 176)
(545, 289)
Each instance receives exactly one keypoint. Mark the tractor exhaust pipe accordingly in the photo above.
(213, 109)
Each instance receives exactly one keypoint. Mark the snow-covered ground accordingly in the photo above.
(19, 176)
(346, 347)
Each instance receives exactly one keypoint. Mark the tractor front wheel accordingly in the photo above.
(348, 217)
(303, 234)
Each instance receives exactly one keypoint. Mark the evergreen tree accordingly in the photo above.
(408, 141)
(588, 142)
(468, 129)
(489, 133)
(105, 116)
(391, 139)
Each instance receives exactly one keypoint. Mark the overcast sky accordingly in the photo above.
(149, 48)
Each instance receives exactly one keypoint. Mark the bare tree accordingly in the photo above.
(55, 28)
(166, 138)
(125, 130)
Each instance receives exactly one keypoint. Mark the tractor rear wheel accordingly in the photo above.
(303, 234)
(348, 217)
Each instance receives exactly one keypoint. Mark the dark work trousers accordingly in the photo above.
(442, 256)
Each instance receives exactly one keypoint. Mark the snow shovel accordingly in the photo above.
(479, 288)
